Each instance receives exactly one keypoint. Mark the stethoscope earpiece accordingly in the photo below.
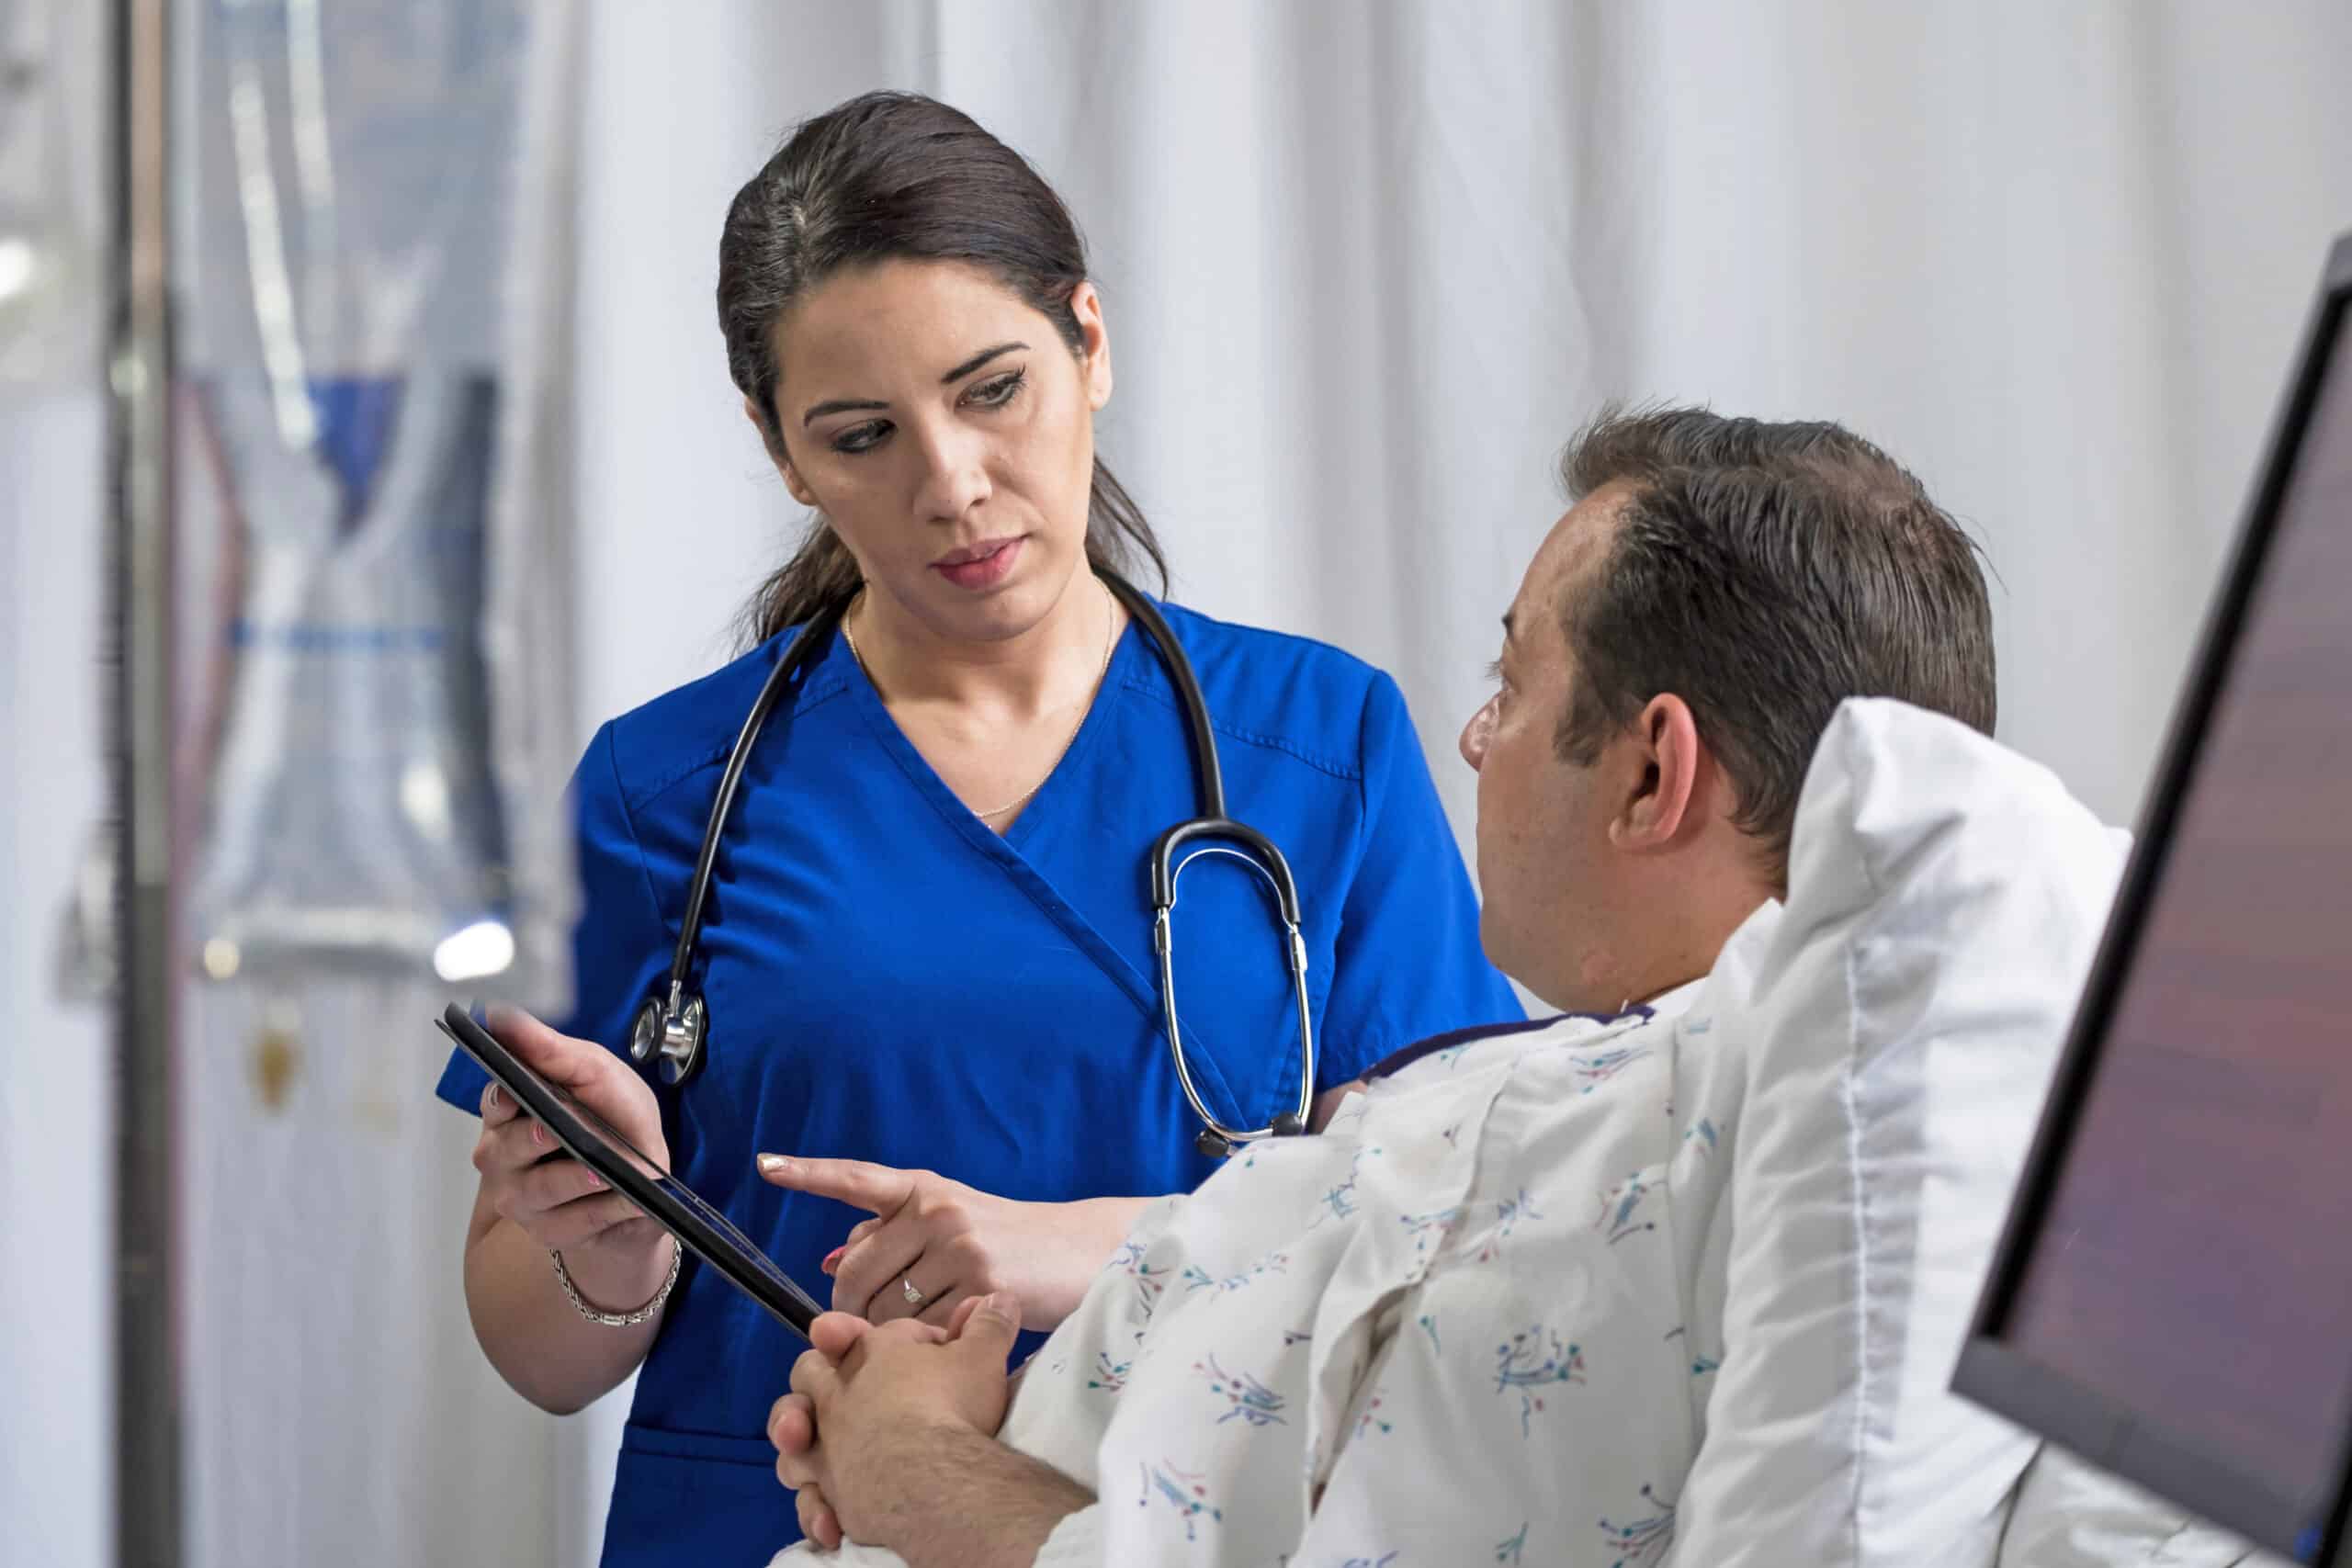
(1214, 1144)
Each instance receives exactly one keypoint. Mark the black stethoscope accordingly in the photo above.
(672, 1024)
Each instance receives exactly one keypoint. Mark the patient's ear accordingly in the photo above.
(1664, 769)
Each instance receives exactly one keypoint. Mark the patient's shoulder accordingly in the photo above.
(1566, 1030)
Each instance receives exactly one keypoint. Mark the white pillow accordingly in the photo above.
(1898, 1031)
(2069, 1515)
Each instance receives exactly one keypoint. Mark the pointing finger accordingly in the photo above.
(877, 1189)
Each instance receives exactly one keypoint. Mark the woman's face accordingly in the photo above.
(946, 432)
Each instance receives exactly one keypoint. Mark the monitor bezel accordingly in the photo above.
(1991, 1371)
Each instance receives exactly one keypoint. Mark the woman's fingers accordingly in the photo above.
(547, 1185)
(870, 1279)
(877, 1189)
(581, 1221)
(602, 1081)
(511, 1144)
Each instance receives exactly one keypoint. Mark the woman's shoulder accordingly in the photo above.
(647, 750)
(1317, 701)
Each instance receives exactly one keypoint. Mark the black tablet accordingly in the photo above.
(666, 1199)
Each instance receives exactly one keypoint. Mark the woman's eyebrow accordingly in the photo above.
(839, 405)
(976, 361)
(855, 405)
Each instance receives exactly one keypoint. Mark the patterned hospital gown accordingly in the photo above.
(1476, 1321)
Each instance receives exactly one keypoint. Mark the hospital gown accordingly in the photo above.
(1475, 1321)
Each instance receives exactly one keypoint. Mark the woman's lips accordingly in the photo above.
(982, 571)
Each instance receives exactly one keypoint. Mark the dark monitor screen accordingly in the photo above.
(2174, 1295)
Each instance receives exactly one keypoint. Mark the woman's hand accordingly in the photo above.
(955, 1243)
(609, 1246)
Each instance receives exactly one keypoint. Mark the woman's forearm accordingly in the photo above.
(1097, 1227)
(538, 1341)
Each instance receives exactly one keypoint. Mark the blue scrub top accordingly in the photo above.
(889, 980)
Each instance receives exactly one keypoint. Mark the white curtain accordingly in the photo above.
(1366, 266)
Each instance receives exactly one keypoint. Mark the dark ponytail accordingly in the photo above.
(890, 177)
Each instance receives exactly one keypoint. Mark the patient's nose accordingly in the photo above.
(1478, 733)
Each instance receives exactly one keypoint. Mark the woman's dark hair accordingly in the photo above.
(895, 177)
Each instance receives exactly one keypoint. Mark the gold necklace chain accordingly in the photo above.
(1109, 621)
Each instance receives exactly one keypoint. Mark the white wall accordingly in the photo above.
(56, 1257)
(1366, 268)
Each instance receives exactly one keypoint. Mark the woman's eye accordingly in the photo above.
(860, 437)
(998, 392)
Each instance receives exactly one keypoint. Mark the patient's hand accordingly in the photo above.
(792, 1429)
(880, 1394)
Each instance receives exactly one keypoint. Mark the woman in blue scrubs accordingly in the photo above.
(928, 956)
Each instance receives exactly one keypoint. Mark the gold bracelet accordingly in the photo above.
(618, 1319)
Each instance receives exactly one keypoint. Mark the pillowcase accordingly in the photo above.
(1892, 1042)
(2069, 1514)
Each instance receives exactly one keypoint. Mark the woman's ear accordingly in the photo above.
(1658, 806)
(1094, 344)
(778, 456)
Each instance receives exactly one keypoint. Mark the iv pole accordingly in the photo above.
(148, 1490)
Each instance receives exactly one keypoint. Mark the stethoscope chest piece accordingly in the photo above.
(671, 1031)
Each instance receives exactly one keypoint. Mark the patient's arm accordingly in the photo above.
(1497, 1439)
(982, 1505)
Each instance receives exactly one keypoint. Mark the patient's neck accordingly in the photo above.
(1678, 944)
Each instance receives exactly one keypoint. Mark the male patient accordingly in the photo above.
(1472, 1314)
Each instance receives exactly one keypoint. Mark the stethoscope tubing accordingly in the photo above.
(677, 1029)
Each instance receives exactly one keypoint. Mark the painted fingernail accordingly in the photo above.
(774, 1165)
(832, 1260)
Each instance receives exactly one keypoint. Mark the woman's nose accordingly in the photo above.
(955, 476)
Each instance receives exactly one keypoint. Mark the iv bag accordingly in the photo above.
(379, 799)
(355, 817)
